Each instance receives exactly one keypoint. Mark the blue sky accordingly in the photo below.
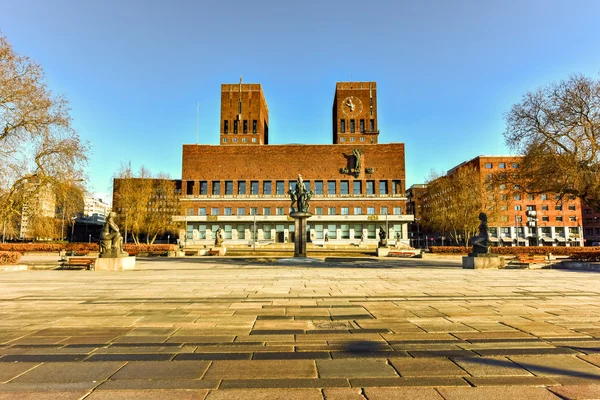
(446, 71)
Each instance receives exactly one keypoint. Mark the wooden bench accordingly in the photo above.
(87, 263)
(191, 252)
(212, 252)
(401, 254)
(530, 259)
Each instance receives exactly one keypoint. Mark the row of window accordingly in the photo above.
(227, 187)
(505, 231)
(544, 207)
(241, 211)
(501, 165)
(235, 140)
(236, 126)
(318, 231)
(353, 139)
(353, 126)
(592, 231)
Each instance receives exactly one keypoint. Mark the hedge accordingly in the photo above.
(79, 248)
(530, 250)
(9, 257)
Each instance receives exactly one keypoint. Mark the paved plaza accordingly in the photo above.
(335, 330)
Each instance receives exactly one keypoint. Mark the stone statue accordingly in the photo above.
(300, 197)
(357, 160)
(219, 237)
(111, 241)
(480, 242)
(382, 237)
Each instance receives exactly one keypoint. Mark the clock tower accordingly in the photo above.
(355, 113)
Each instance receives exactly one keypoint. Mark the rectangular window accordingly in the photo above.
(370, 210)
(214, 211)
(558, 207)
(241, 231)
(517, 197)
(245, 126)
(397, 187)
(253, 210)
(544, 196)
(571, 207)
(307, 185)
(518, 208)
(344, 187)
(253, 187)
(530, 197)
(228, 211)
(331, 211)
(331, 231)
(224, 140)
(241, 211)
(362, 126)
(362, 139)
(202, 211)
(372, 125)
(267, 211)
(397, 210)
(515, 165)
(241, 187)
(201, 231)
(352, 139)
(502, 165)
(216, 187)
(572, 219)
(370, 187)
(318, 231)
(518, 218)
(331, 188)
(345, 211)
(225, 126)
(189, 211)
(345, 231)
(280, 187)
(357, 210)
(342, 126)
(267, 231)
(383, 187)
(545, 218)
(319, 187)
(279, 211)
(234, 140)
(235, 126)
(267, 187)
(228, 187)
(545, 207)
(203, 187)
(189, 187)
(253, 126)
(384, 210)
(371, 231)
(559, 218)
(292, 185)
(357, 231)
(357, 187)
(253, 140)
(352, 129)
(488, 165)
(318, 210)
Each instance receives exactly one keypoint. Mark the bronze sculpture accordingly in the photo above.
(111, 241)
(300, 197)
(480, 242)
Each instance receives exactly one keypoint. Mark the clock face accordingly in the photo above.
(352, 106)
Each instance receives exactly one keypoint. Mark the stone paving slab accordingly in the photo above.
(225, 329)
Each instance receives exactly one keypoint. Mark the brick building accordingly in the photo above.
(591, 226)
(523, 218)
(414, 206)
(241, 185)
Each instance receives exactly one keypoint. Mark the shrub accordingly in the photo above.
(146, 248)
(529, 250)
(9, 257)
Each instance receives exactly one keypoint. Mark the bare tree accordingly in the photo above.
(145, 204)
(557, 129)
(453, 202)
(37, 142)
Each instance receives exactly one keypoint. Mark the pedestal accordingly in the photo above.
(483, 261)
(114, 264)
(383, 251)
(300, 237)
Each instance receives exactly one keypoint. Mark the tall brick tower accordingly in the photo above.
(244, 114)
(355, 113)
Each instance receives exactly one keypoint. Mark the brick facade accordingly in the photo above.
(244, 115)
(556, 222)
(355, 113)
